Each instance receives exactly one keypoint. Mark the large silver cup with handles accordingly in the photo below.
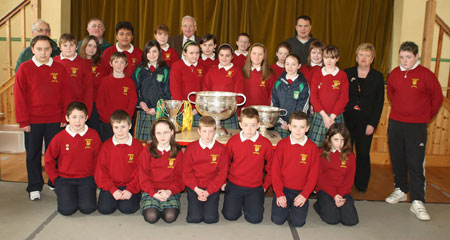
(217, 104)
(172, 110)
(268, 118)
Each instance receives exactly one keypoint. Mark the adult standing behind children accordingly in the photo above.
(40, 98)
(39, 28)
(188, 27)
(416, 96)
(363, 111)
(96, 27)
(300, 43)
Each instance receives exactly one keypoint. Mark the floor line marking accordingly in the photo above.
(42, 226)
(294, 232)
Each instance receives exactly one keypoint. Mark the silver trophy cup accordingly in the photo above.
(172, 110)
(217, 104)
(268, 118)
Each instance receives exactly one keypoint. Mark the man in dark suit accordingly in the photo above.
(188, 27)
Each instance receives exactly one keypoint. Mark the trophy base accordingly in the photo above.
(266, 133)
(221, 131)
(176, 125)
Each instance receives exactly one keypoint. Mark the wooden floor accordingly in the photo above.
(12, 167)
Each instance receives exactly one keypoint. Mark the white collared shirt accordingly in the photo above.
(316, 64)
(130, 50)
(257, 68)
(210, 146)
(253, 139)
(279, 65)
(162, 149)
(302, 143)
(334, 150)
(189, 64)
(292, 78)
(71, 59)
(239, 54)
(73, 134)
(165, 48)
(227, 67)
(149, 65)
(38, 64)
(404, 69)
(129, 141)
(334, 73)
(204, 57)
(185, 39)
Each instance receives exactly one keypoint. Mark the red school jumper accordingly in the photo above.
(134, 56)
(405, 86)
(117, 166)
(76, 154)
(160, 173)
(247, 161)
(97, 74)
(336, 176)
(40, 93)
(170, 56)
(205, 168)
(295, 167)
(81, 84)
(224, 79)
(257, 90)
(277, 70)
(185, 79)
(308, 72)
(115, 93)
(208, 63)
(239, 60)
(329, 92)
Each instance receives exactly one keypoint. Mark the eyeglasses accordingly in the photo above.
(41, 30)
(162, 133)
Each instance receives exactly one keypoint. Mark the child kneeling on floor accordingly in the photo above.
(160, 169)
(337, 172)
(295, 169)
(117, 168)
(76, 149)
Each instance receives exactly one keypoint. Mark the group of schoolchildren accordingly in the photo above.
(105, 91)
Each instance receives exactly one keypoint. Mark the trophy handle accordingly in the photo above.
(158, 104)
(243, 96)
(189, 95)
(285, 112)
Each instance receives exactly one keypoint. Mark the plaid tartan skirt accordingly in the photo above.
(150, 202)
(283, 133)
(195, 120)
(317, 131)
(143, 124)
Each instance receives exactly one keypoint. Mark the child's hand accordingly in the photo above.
(369, 130)
(152, 111)
(194, 112)
(143, 106)
(63, 124)
(333, 117)
(117, 194)
(339, 200)
(282, 202)
(26, 129)
(284, 125)
(126, 195)
(165, 194)
(311, 110)
(327, 122)
(223, 187)
(200, 194)
(159, 197)
(299, 201)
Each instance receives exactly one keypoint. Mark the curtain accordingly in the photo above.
(344, 23)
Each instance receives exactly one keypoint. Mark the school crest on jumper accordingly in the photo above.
(67, 147)
(257, 148)
(303, 157)
(336, 84)
(88, 143)
(262, 83)
(171, 162)
(167, 56)
(200, 72)
(74, 72)
(125, 91)
(54, 77)
(229, 74)
(343, 164)
(414, 82)
(130, 158)
(94, 69)
(214, 158)
(133, 61)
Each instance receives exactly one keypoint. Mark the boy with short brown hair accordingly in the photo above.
(251, 157)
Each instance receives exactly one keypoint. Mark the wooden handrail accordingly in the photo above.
(9, 83)
(14, 11)
(442, 24)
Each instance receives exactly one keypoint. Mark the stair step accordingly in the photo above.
(12, 139)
